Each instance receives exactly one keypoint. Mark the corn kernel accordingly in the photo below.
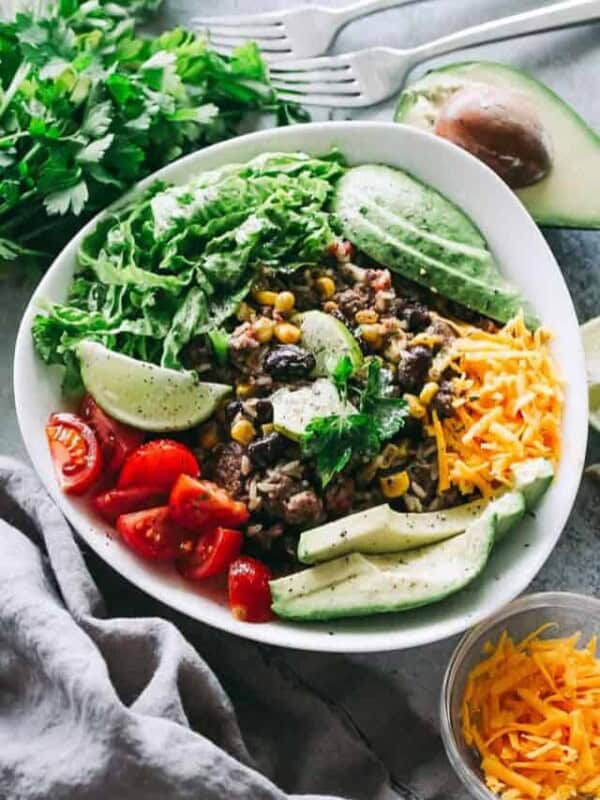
(395, 485)
(245, 313)
(285, 302)
(325, 287)
(243, 431)
(267, 428)
(263, 329)
(372, 335)
(287, 333)
(265, 298)
(428, 392)
(209, 436)
(367, 316)
(244, 390)
(415, 408)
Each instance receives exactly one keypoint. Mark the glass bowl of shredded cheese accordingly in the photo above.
(520, 704)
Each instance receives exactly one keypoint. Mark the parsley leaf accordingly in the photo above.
(88, 107)
(334, 440)
(341, 375)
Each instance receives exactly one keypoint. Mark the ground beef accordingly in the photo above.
(245, 352)
(350, 301)
(413, 368)
(442, 402)
(225, 468)
(303, 507)
(442, 329)
(339, 497)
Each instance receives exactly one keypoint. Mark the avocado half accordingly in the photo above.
(568, 196)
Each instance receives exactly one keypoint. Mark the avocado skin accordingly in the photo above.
(567, 197)
(412, 229)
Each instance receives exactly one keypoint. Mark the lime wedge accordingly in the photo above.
(328, 340)
(145, 395)
(293, 409)
(590, 334)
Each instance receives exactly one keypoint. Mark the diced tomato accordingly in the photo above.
(158, 463)
(115, 502)
(75, 452)
(197, 504)
(341, 250)
(249, 591)
(117, 440)
(151, 533)
(212, 553)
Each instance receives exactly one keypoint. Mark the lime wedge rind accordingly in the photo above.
(144, 395)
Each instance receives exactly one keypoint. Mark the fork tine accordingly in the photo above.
(266, 45)
(266, 18)
(249, 31)
(300, 89)
(307, 65)
(329, 100)
(333, 77)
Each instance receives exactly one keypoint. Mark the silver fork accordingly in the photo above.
(297, 33)
(366, 77)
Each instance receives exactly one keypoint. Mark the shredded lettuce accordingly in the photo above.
(176, 262)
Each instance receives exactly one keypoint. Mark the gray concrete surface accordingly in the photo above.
(378, 693)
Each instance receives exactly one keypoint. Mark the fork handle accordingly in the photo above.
(363, 8)
(558, 15)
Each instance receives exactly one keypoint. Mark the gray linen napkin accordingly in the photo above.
(94, 708)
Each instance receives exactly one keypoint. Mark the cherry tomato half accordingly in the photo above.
(196, 504)
(249, 591)
(158, 463)
(212, 554)
(75, 452)
(151, 533)
(117, 440)
(115, 502)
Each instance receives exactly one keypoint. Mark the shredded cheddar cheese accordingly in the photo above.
(507, 407)
(532, 711)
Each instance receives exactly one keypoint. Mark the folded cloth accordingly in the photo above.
(94, 708)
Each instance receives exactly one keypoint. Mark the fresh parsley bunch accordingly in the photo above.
(88, 107)
(333, 441)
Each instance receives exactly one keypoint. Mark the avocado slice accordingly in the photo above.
(568, 196)
(383, 530)
(413, 230)
(358, 585)
(509, 509)
(532, 478)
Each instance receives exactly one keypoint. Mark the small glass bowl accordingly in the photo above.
(569, 612)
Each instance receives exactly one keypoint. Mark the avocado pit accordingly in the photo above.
(500, 128)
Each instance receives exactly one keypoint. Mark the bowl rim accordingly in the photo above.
(283, 633)
(471, 779)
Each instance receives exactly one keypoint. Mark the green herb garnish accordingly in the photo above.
(334, 440)
(87, 108)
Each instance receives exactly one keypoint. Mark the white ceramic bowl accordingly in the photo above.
(524, 258)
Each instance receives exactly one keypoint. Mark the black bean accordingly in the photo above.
(265, 451)
(289, 361)
(416, 316)
(264, 411)
(232, 409)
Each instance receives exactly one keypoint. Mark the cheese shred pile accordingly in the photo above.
(507, 407)
(532, 710)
